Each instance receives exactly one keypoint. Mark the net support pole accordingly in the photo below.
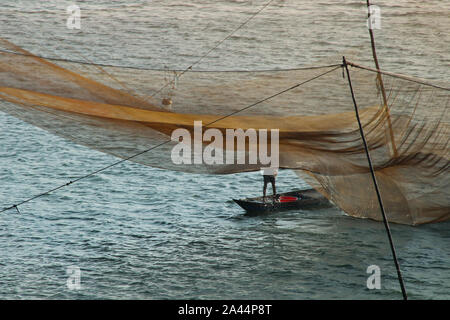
(374, 179)
(380, 80)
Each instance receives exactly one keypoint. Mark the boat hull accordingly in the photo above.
(306, 199)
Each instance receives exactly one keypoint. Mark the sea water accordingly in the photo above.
(142, 233)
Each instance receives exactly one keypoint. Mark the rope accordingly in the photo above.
(161, 144)
(163, 69)
(380, 201)
(217, 45)
(183, 71)
(396, 75)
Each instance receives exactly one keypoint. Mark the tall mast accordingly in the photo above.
(380, 81)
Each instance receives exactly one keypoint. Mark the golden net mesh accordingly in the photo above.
(124, 111)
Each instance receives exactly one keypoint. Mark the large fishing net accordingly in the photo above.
(125, 111)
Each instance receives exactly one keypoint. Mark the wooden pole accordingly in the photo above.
(380, 81)
(375, 183)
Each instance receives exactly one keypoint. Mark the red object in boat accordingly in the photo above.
(288, 199)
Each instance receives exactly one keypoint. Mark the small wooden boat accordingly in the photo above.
(298, 199)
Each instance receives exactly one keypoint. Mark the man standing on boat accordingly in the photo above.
(269, 175)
